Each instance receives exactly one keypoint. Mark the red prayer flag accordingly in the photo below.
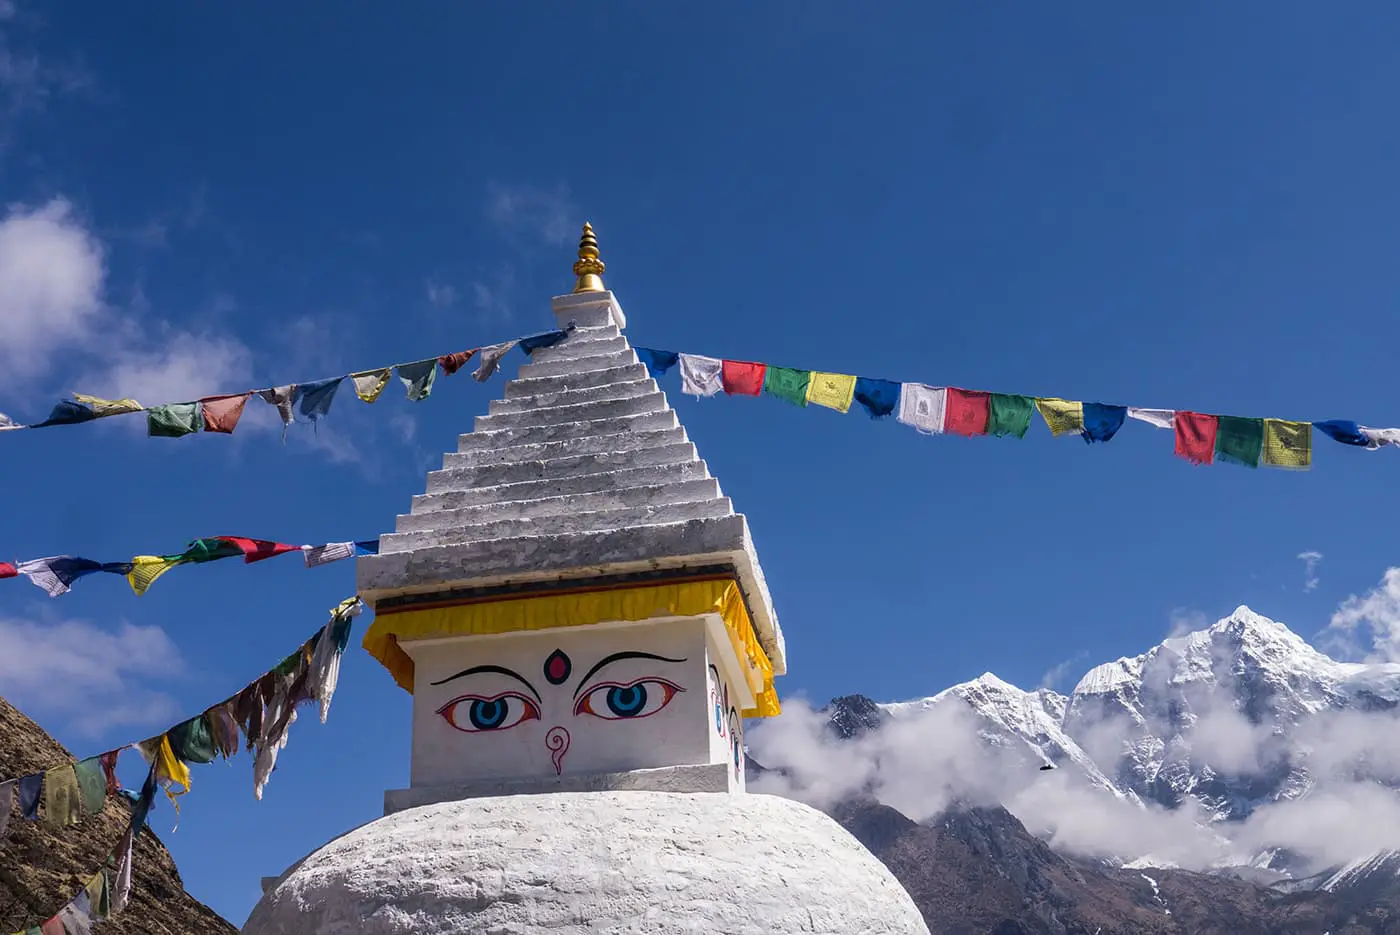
(221, 413)
(967, 412)
(1195, 436)
(255, 550)
(8, 571)
(451, 363)
(741, 378)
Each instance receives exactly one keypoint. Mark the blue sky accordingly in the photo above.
(1190, 209)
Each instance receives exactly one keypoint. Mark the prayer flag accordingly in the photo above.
(367, 547)
(1102, 422)
(107, 407)
(168, 768)
(1376, 438)
(109, 770)
(282, 398)
(1195, 436)
(491, 360)
(879, 397)
(967, 412)
(1239, 441)
(546, 339)
(832, 390)
(1288, 444)
(7, 570)
(192, 741)
(99, 896)
(1062, 416)
(63, 800)
(147, 568)
(76, 917)
(255, 550)
(451, 363)
(1008, 414)
(92, 784)
(29, 789)
(1344, 431)
(742, 378)
(121, 888)
(67, 412)
(701, 376)
(370, 383)
(52, 926)
(221, 413)
(174, 420)
(325, 554)
(657, 362)
(6, 423)
(1162, 418)
(316, 398)
(208, 550)
(786, 383)
(56, 574)
(923, 407)
(418, 378)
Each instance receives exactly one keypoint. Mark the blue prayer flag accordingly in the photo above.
(658, 362)
(879, 397)
(1344, 431)
(67, 412)
(1102, 422)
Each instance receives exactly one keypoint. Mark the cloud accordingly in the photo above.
(52, 273)
(1373, 617)
(1183, 620)
(28, 83)
(1056, 674)
(1310, 562)
(491, 296)
(184, 367)
(86, 678)
(440, 294)
(524, 211)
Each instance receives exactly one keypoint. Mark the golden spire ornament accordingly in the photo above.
(589, 269)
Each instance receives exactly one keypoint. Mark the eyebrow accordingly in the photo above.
(497, 670)
(618, 657)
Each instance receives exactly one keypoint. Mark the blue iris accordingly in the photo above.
(487, 715)
(627, 702)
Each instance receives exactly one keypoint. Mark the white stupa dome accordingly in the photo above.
(622, 863)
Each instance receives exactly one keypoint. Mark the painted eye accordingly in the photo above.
(474, 714)
(614, 702)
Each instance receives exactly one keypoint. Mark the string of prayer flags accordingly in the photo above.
(56, 574)
(74, 791)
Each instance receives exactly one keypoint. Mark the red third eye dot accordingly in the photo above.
(557, 667)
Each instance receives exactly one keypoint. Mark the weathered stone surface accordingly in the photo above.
(622, 863)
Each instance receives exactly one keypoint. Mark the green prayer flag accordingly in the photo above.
(92, 784)
(99, 892)
(1239, 441)
(192, 741)
(174, 420)
(208, 550)
(1009, 415)
(418, 377)
(785, 383)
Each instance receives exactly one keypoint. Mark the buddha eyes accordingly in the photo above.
(612, 701)
(474, 713)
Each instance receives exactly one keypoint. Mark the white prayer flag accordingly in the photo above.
(701, 376)
(923, 407)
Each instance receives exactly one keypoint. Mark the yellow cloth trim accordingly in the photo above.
(145, 569)
(1062, 416)
(832, 390)
(1288, 444)
(545, 611)
(107, 407)
(370, 383)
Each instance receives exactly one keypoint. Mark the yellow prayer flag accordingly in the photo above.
(370, 383)
(1062, 416)
(168, 768)
(1287, 444)
(107, 407)
(145, 569)
(832, 390)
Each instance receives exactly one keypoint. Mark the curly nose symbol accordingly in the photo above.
(557, 740)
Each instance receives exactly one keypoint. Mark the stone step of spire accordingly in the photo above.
(588, 483)
(561, 523)
(596, 361)
(564, 431)
(587, 445)
(572, 466)
(579, 347)
(573, 397)
(656, 495)
(580, 412)
(534, 386)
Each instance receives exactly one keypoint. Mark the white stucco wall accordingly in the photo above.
(559, 720)
(726, 725)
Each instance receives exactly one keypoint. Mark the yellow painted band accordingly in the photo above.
(574, 609)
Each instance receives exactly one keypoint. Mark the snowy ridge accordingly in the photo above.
(1385, 863)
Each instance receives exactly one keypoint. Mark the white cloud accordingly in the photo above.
(440, 294)
(52, 272)
(536, 213)
(1310, 562)
(182, 368)
(1056, 674)
(1374, 618)
(86, 678)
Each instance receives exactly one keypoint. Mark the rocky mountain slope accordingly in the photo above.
(42, 869)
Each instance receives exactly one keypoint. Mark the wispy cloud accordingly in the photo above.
(1310, 562)
(1055, 676)
(440, 294)
(28, 82)
(88, 679)
(1368, 624)
(545, 215)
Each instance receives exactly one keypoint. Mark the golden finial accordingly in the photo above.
(588, 269)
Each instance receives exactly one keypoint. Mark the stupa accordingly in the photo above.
(583, 623)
